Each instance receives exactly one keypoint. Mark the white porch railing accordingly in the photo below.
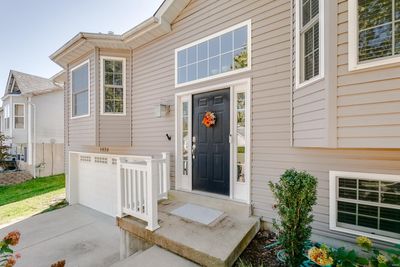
(142, 181)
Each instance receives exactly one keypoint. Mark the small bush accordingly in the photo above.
(295, 194)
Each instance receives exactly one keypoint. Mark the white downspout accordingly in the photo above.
(32, 136)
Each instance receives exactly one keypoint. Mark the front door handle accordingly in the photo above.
(194, 147)
(193, 151)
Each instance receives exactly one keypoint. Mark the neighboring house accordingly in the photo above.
(311, 85)
(32, 117)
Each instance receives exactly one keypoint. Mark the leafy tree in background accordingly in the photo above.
(4, 149)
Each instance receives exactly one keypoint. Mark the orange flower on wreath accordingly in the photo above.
(209, 119)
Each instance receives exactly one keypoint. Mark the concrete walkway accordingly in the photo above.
(76, 234)
(155, 256)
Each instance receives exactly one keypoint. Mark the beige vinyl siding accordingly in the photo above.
(153, 83)
(81, 131)
(309, 106)
(115, 130)
(310, 116)
(314, 104)
(368, 100)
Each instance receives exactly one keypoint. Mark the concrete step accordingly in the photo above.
(154, 256)
(217, 244)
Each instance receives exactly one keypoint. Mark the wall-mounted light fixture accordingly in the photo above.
(162, 110)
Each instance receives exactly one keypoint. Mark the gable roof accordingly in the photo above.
(150, 29)
(29, 84)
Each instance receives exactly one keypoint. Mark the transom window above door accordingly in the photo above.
(113, 85)
(374, 32)
(220, 54)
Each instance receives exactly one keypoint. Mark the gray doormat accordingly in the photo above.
(197, 213)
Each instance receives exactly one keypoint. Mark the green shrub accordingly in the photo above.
(295, 194)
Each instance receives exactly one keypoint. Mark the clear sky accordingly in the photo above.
(31, 30)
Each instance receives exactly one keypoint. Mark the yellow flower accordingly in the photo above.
(320, 256)
(381, 258)
(364, 242)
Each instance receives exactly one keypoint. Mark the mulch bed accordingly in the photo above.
(14, 177)
(256, 254)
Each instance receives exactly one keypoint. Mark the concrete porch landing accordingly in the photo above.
(217, 244)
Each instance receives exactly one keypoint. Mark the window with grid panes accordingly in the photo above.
(371, 206)
(113, 86)
(309, 35)
(378, 29)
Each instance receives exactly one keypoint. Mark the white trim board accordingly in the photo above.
(333, 175)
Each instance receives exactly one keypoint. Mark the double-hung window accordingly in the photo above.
(308, 41)
(80, 90)
(6, 117)
(374, 33)
(113, 85)
(365, 204)
(19, 116)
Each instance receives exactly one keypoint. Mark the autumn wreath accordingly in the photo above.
(209, 119)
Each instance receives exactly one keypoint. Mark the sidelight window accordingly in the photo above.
(240, 136)
(185, 138)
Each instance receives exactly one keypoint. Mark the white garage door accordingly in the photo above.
(97, 183)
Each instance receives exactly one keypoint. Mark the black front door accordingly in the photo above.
(211, 145)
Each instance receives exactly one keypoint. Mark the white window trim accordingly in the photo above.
(321, 75)
(14, 109)
(353, 43)
(70, 89)
(228, 73)
(7, 112)
(102, 58)
(187, 95)
(333, 203)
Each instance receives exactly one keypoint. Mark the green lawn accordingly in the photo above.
(31, 197)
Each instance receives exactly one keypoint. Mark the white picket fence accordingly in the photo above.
(142, 181)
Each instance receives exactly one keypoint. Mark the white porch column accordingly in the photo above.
(152, 195)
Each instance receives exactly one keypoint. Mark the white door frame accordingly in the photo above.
(238, 191)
